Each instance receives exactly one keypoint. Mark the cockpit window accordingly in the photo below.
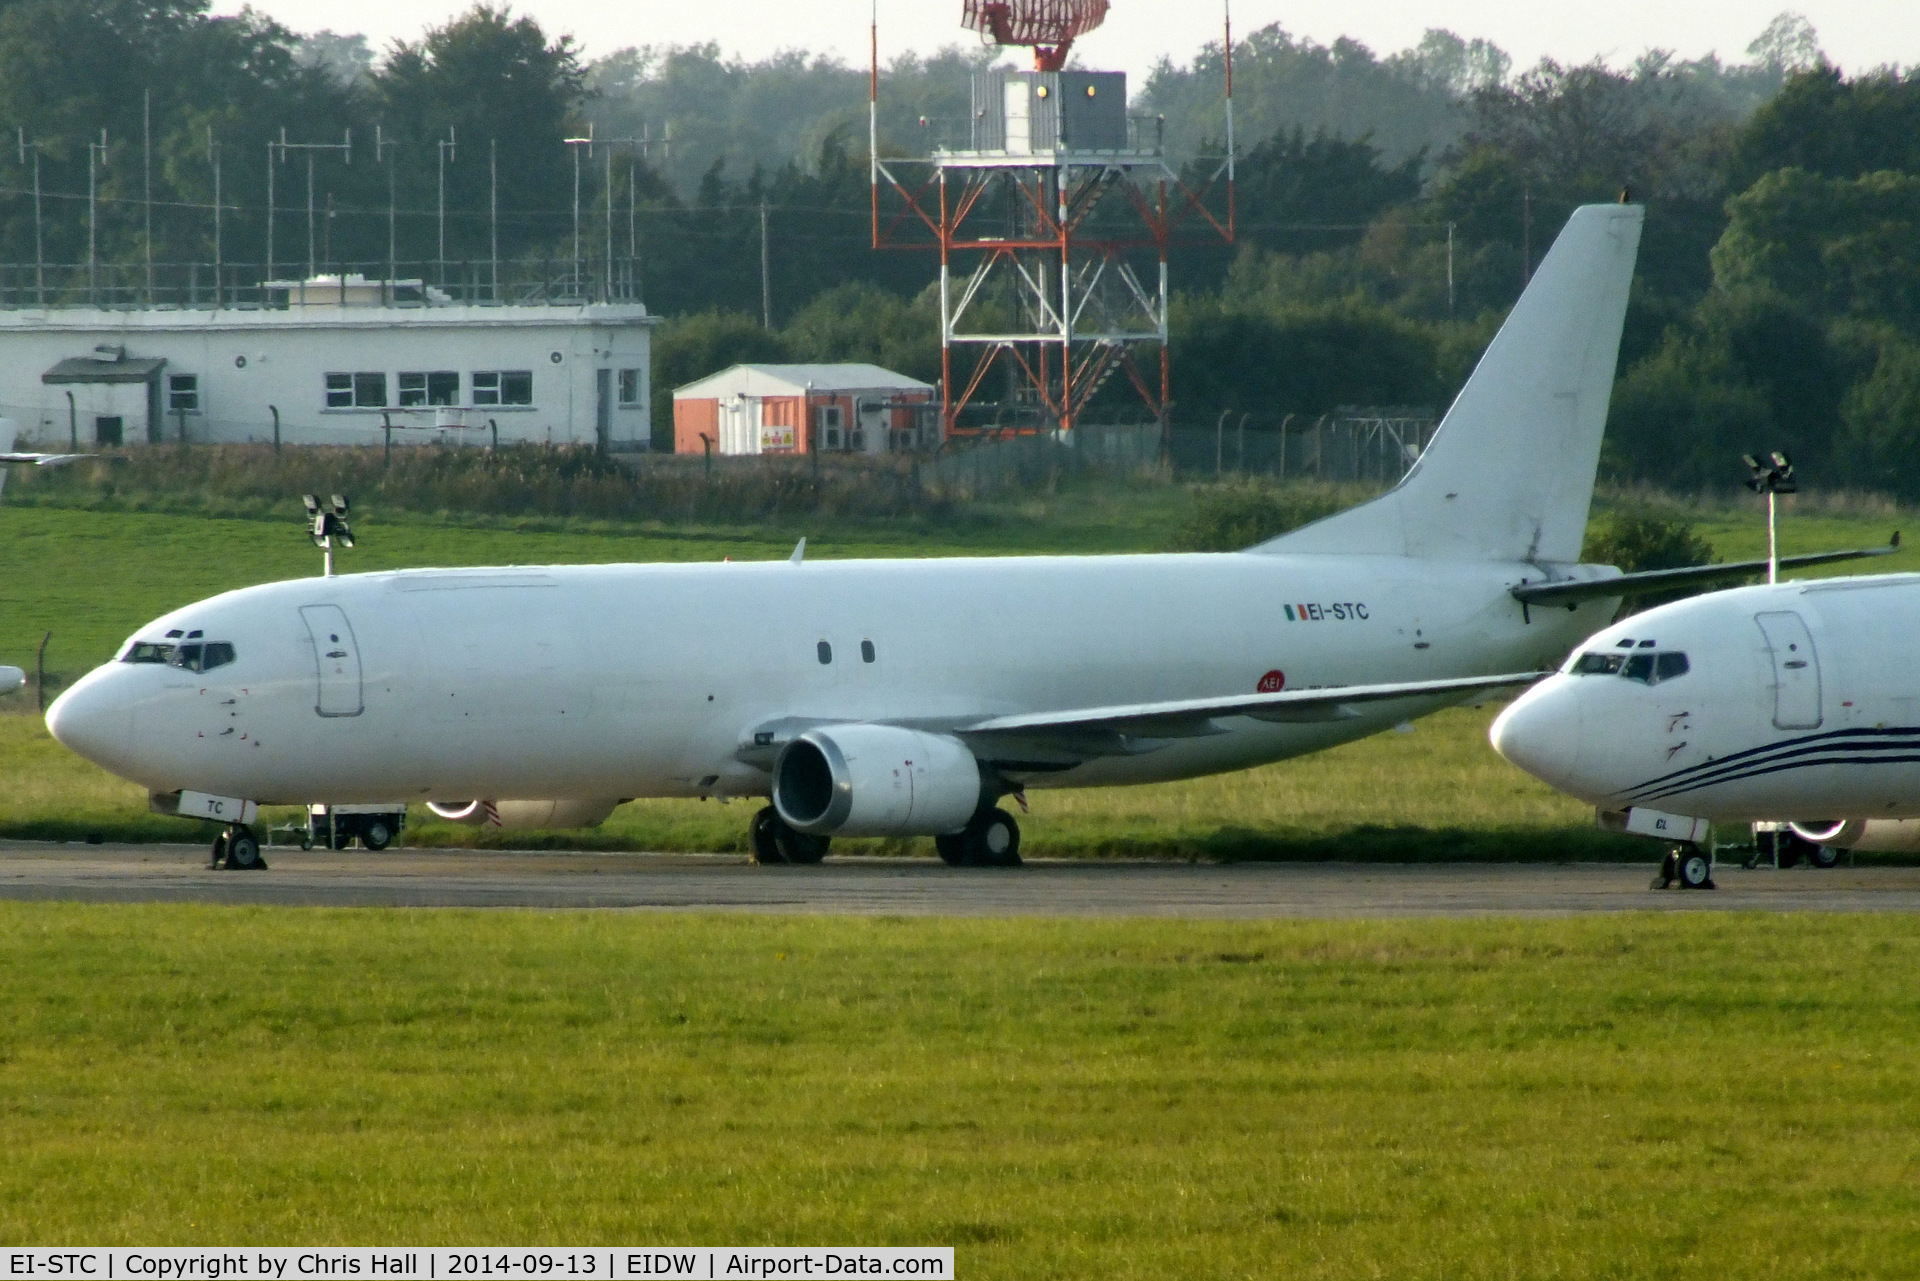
(194, 656)
(1648, 669)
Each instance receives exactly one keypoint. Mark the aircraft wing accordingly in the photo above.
(42, 460)
(1189, 717)
(1663, 580)
(1060, 740)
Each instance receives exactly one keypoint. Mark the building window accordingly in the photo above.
(629, 386)
(503, 387)
(441, 387)
(356, 391)
(183, 393)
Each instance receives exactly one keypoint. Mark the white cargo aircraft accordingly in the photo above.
(1790, 702)
(903, 697)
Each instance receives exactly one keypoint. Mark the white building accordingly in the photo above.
(339, 364)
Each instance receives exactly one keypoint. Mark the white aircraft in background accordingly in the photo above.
(1790, 702)
(12, 678)
(903, 697)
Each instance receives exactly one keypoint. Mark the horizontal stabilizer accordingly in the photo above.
(1666, 580)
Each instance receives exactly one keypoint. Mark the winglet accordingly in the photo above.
(799, 552)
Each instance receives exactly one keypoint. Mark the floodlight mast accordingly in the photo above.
(327, 522)
(1772, 477)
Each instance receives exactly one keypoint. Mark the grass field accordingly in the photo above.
(1636, 1096)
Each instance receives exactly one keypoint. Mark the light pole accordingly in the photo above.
(1775, 476)
(380, 149)
(447, 149)
(95, 151)
(213, 158)
(576, 144)
(39, 253)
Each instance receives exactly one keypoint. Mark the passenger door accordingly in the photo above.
(337, 658)
(1796, 670)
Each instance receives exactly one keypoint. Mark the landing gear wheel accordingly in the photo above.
(243, 851)
(801, 848)
(376, 834)
(991, 839)
(1823, 856)
(219, 850)
(1696, 870)
(996, 838)
(761, 845)
(1669, 868)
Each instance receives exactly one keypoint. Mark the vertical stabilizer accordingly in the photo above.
(1509, 474)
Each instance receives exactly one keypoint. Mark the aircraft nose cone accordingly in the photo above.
(90, 720)
(1541, 731)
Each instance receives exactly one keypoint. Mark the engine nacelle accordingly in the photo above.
(1891, 835)
(875, 780)
(524, 815)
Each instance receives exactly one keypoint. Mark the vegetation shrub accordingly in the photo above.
(1645, 539)
(515, 481)
(1237, 515)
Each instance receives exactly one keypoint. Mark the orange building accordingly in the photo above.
(797, 409)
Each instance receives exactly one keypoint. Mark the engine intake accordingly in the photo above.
(1901, 835)
(525, 815)
(875, 780)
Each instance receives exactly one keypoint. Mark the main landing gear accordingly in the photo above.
(773, 840)
(237, 849)
(1690, 865)
(990, 839)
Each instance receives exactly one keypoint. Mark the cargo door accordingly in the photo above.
(1796, 670)
(337, 656)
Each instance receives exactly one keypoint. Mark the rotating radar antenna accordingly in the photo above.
(1048, 26)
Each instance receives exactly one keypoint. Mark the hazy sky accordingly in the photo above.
(1857, 34)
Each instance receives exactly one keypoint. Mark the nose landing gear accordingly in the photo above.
(1688, 864)
(237, 849)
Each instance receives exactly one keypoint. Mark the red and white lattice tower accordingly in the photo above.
(1052, 210)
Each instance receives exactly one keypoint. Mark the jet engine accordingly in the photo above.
(1886, 834)
(522, 815)
(875, 780)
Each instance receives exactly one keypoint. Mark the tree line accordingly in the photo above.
(1391, 207)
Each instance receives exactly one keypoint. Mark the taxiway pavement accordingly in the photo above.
(888, 886)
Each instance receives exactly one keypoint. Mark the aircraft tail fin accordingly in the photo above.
(1509, 474)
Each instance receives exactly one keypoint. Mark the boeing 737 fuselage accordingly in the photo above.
(906, 697)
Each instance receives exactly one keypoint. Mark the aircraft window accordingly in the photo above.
(174, 634)
(148, 652)
(1598, 664)
(825, 651)
(187, 656)
(1646, 644)
(1668, 666)
(1625, 644)
(1639, 668)
(866, 651)
(196, 634)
